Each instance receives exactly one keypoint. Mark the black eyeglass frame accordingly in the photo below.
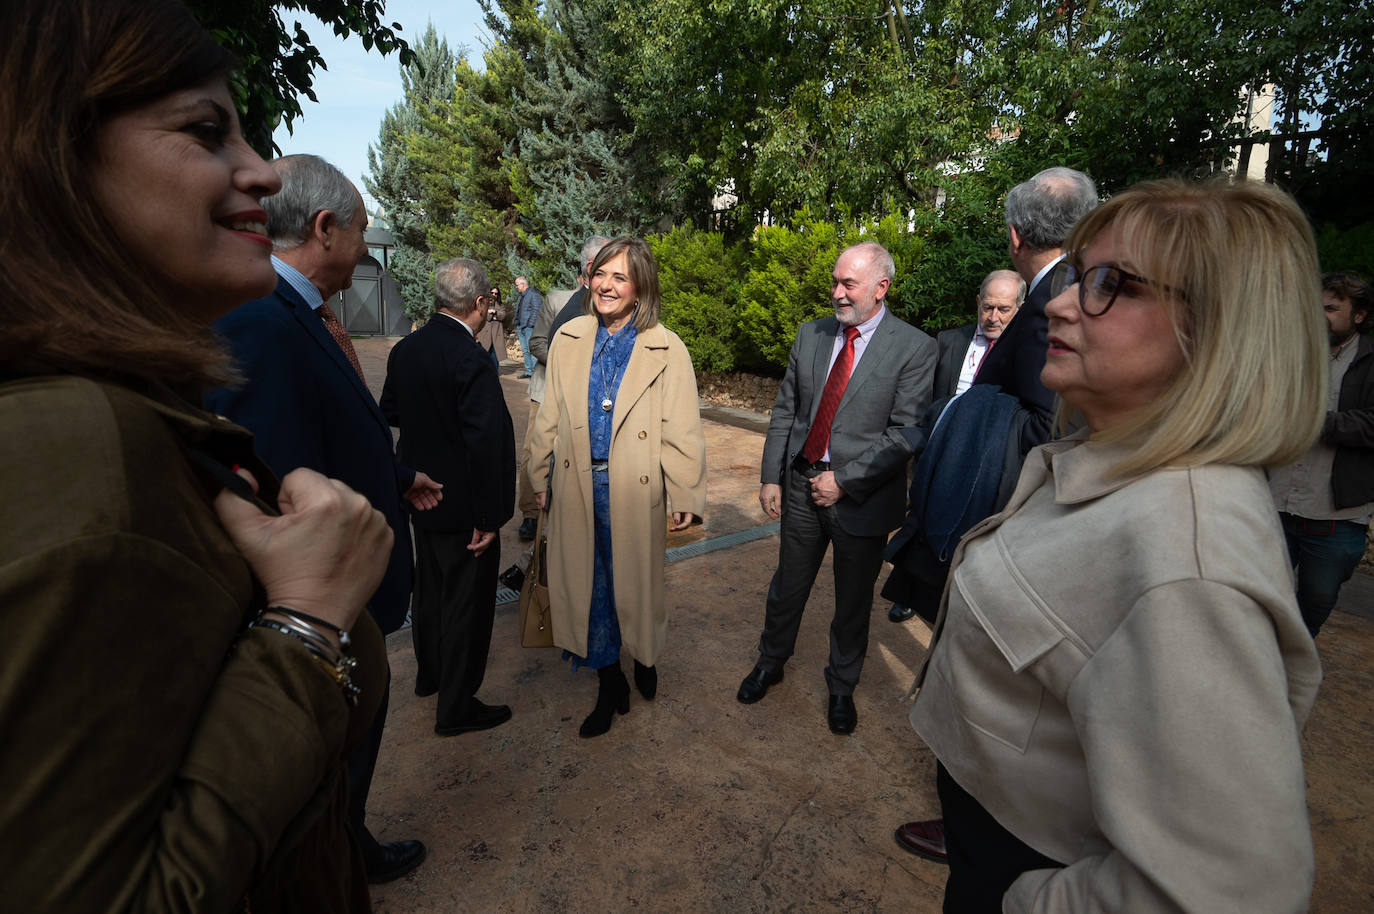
(1065, 274)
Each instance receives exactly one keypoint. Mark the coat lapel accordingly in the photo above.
(575, 366)
(314, 327)
(876, 350)
(824, 338)
(647, 362)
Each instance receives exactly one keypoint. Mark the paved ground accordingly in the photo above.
(697, 803)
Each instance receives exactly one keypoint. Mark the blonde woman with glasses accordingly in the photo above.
(1120, 672)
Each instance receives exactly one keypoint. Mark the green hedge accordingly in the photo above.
(737, 306)
(1350, 250)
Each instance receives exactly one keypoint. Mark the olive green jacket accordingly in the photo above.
(157, 757)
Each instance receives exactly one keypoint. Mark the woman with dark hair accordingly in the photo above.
(621, 424)
(186, 659)
(1120, 675)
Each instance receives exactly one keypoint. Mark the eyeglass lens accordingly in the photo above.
(1098, 286)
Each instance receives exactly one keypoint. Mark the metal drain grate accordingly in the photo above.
(677, 553)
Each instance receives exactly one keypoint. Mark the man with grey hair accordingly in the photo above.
(961, 353)
(962, 349)
(1041, 214)
(444, 395)
(307, 404)
(842, 431)
(527, 307)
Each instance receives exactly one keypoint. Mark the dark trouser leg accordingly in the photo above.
(466, 606)
(466, 609)
(800, 552)
(1325, 554)
(984, 858)
(425, 613)
(857, 561)
(362, 761)
(483, 617)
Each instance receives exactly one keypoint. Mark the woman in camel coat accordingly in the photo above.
(620, 430)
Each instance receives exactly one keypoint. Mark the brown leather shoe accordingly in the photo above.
(924, 839)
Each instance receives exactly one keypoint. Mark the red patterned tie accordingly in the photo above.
(336, 330)
(819, 438)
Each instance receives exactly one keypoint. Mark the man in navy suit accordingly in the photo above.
(1041, 213)
(307, 405)
(834, 468)
(444, 395)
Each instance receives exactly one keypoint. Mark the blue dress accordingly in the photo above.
(610, 354)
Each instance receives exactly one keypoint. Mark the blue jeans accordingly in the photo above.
(1325, 553)
(525, 333)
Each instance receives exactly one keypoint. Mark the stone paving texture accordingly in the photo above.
(696, 803)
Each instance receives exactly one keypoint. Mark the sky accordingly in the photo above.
(360, 85)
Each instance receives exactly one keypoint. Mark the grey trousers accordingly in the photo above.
(807, 530)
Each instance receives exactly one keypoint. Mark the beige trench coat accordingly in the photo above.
(657, 465)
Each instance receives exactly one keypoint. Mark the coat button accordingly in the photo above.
(643, 434)
(644, 480)
(565, 464)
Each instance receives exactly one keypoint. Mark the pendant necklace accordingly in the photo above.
(607, 404)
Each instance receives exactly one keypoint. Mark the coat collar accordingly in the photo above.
(647, 361)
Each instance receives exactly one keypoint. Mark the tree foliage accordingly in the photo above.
(277, 64)
(752, 139)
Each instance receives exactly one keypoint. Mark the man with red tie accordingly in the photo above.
(843, 429)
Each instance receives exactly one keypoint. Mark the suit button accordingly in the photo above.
(643, 434)
(644, 480)
(565, 464)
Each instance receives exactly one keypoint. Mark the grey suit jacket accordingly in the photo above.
(953, 346)
(874, 432)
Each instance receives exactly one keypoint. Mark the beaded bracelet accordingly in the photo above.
(338, 666)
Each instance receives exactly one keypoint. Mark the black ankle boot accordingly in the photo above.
(613, 694)
(646, 680)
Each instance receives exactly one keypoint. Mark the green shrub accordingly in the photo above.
(699, 283)
(1350, 250)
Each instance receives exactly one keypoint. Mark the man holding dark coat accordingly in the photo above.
(444, 395)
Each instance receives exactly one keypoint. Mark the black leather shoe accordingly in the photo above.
(646, 680)
(386, 862)
(513, 577)
(900, 613)
(756, 684)
(528, 527)
(424, 691)
(842, 715)
(481, 717)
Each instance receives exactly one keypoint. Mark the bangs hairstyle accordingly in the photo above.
(73, 299)
(1237, 264)
(643, 270)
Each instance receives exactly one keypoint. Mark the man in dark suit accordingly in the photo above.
(842, 431)
(962, 349)
(307, 405)
(444, 395)
(1041, 213)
